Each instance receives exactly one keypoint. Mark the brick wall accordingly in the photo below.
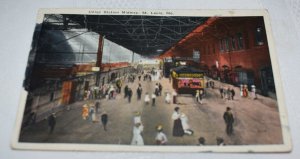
(251, 56)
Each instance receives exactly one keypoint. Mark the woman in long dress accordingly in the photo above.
(147, 98)
(253, 92)
(168, 98)
(137, 138)
(201, 93)
(137, 120)
(186, 127)
(85, 111)
(94, 119)
(177, 127)
(245, 91)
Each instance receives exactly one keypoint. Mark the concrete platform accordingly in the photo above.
(256, 121)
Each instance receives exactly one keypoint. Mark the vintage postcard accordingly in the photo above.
(152, 80)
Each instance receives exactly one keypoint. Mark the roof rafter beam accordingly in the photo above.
(171, 38)
(130, 35)
(164, 27)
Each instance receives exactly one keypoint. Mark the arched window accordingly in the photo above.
(226, 41)
(240, 40)
(221, 45)
(233, 43)
(259, 36)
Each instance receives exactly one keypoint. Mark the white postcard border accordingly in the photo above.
(285, 147)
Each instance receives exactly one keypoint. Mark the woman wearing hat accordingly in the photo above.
(177, 127)
(137, 120)
(85, 111)
(253, 92)
(245, 91)
(168, 98)
(197, 95)
(147, 98)
(161, 138)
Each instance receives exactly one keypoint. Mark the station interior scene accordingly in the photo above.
(150, 80)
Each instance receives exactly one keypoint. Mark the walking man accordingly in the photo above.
(225, 93)
(156, 89)
(129, 94)
(228, 118)
(160, 89)
(97, 106)
(126, 91)
(139, 92)
(92, 114)
(232, 93)
(153, 99)
(174, 94)
(52, 122)
(201, 96)
(221, 92)
(104, 120)
(197, 95)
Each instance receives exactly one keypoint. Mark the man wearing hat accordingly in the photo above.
(161, 138)
(220, 141)
(104, 120)
(228, 118)
(201, 141)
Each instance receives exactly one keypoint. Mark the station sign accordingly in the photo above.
(95, 69)
(187, 75)
(190, 75)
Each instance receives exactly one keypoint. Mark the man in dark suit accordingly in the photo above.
(52, 122)
(104, 120)
(228, 118)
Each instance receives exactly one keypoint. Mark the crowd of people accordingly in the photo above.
(180, 128)
(91, 110)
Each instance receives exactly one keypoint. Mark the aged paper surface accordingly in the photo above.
(75, 95)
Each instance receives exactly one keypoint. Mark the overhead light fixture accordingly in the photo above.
(159, 50)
